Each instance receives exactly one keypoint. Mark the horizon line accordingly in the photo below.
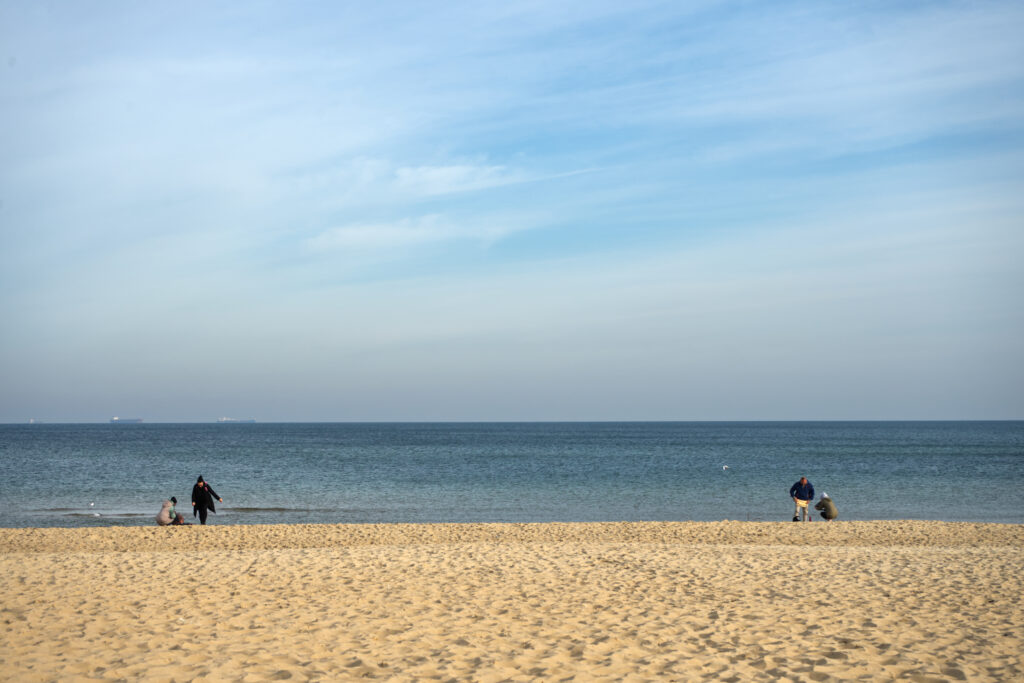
(242, 421)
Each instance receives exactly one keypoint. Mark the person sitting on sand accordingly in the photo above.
(168, 515)
(802, 493)
(827, 508)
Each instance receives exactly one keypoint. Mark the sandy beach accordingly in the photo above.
(925, 601)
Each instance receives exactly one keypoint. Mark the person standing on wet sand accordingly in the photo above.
(802, 493)
(202, 499)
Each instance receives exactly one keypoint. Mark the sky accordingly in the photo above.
(511, 211)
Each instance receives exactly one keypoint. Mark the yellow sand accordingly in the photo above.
(491, 602)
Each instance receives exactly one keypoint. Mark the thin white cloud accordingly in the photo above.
(404, 233)
(451, 179)
(365, 180)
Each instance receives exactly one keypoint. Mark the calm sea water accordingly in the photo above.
(88, 475)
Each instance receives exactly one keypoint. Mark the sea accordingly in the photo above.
(80, 475)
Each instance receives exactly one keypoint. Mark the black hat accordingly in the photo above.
(200, 479)
(174, 500)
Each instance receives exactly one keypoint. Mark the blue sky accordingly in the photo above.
(511, 211)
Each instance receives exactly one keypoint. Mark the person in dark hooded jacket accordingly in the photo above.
(202, 500)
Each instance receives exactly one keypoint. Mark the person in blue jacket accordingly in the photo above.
(802, 493)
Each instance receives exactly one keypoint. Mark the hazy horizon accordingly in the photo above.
(517, 212)
(34, 421)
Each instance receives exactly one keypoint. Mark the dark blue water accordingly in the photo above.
(85, 475)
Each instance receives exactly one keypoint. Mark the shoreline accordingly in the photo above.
(495, 602)
(284, 536)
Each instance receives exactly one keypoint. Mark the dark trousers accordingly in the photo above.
(202, 515)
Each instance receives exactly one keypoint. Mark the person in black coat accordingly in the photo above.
(202, 500)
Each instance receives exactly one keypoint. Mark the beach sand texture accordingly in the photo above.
(684, 601)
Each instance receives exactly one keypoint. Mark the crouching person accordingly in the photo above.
(827, 508)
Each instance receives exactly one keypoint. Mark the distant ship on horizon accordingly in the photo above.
(125, 420)
(222, 420)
